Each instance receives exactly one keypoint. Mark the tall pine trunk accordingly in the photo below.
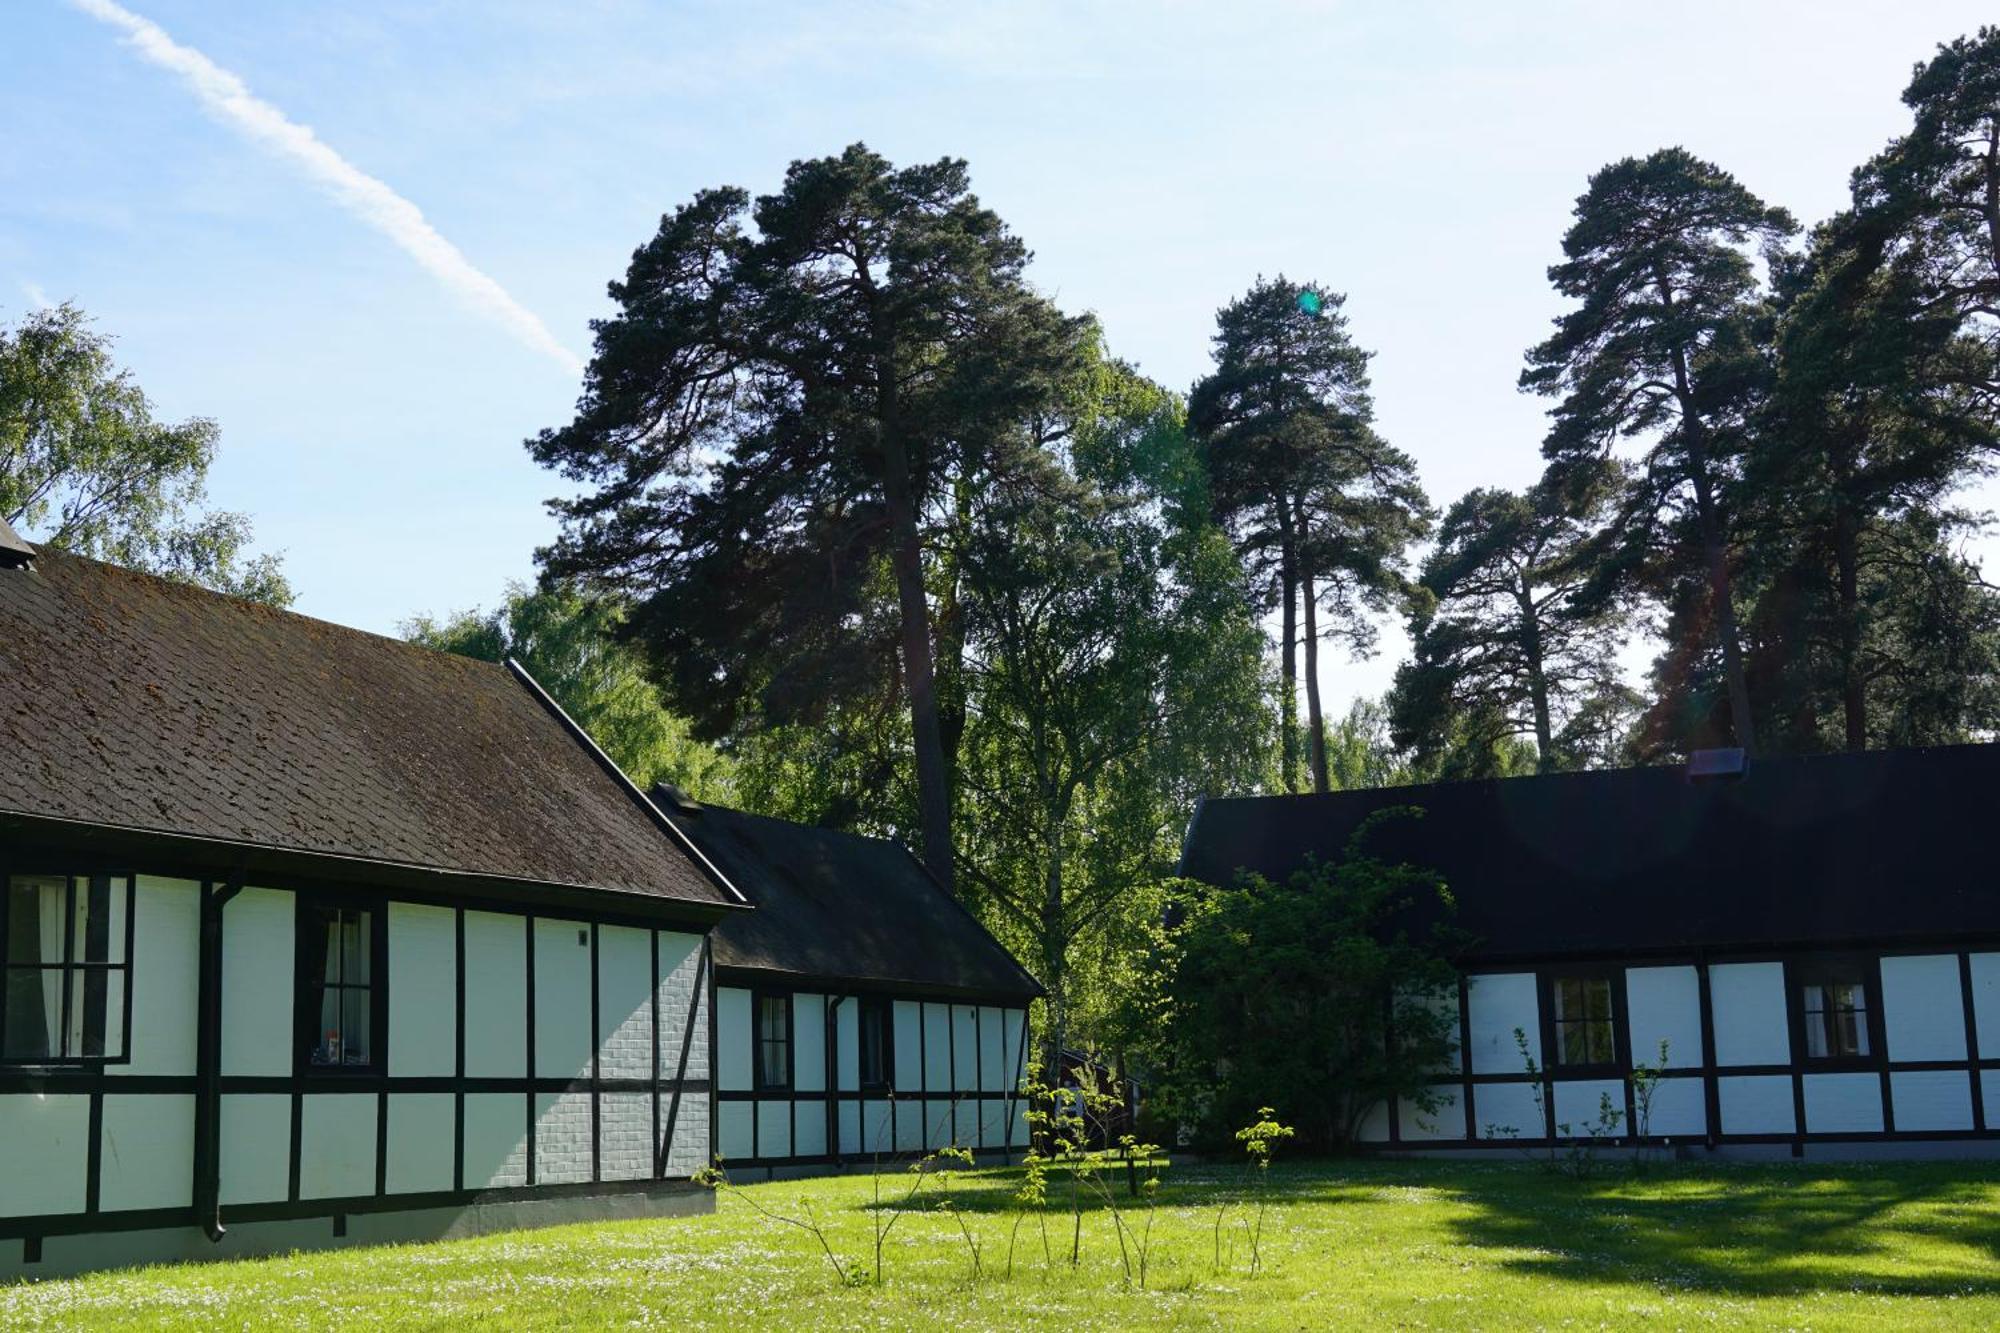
(1315, 719)
(1538, 680)
(906, 554)
(1715, 556)
(1853, 684)
(1288, 721)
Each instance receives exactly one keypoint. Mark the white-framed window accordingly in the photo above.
(65, 969)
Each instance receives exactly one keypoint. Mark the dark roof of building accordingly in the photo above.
(1846, 849)
(13, 551)
(131, 702)
(841, 906)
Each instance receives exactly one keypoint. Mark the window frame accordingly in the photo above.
(1553, 1063)
(883, 1007)
(69, 966)
(1865, 976)
(758, 999)
(307, 998)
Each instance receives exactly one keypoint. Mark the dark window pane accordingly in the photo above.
(326, 1041)
(355, 939)
(355, 1030)
(35, 907)
(34, 1013)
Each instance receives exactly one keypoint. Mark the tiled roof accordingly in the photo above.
(134, 702)
(839, 905)
(1838, 849)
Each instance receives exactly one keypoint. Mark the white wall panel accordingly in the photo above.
(562, 1137)
(1931, 1100)
(625, 1135)
(562, 1000)
(420, 1142)
(625, 1004)
(256, 1152)
(166, 975)
(909, 1048)
(337, 1145)
(1664, 1004)
(259, 940)
(774, 1128)
(937, 1047)
(992, 1122)
(964, 1048)
(688, 1151)
(1374, 1127)
(847, 1044)
(1843, 1103)
(1446, 1122)
(44, 1147)
(809, 1043)
(850, 1128)
(148, 1153)
(908, 1114)
(1923, 1009)
(734, 1123)
(496, 1000)
(423, 990)
(732, 1039)
(993, 1050)
(940, 1123)
(1499, 1002)
(496, 1135)
(1579, 1104)
(1680, 1109)
(1989, 1096)
(1757, 1104)
(1497, 1107)
(1748, 1001)
(1014, 1046)
(809, 1130)
(680, 968)
(1986, 1003)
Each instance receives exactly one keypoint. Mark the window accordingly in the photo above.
(341, 1023)
(66, 942)
(1836, 1015)
(774, 1041)
(1585, 1034)
(878, 1043)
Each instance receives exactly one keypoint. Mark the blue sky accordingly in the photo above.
(1420, 157)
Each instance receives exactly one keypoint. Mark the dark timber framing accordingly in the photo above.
(215, 887)
(1799, 966)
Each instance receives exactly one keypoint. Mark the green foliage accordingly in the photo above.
(84, 467)
(781, 426)
(1287, 993)
(569, 643)
(1502, 648)
(1322, 509)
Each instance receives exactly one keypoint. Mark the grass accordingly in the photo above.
(1407, 1244)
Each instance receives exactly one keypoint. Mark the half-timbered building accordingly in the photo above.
(314, 936)
(861, 1011)
(1815, 940)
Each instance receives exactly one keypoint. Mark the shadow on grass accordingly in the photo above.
(1927, 1229)
(1931, 1229)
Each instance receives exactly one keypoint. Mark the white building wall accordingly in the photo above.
(563, 1038)
(562, 1137)
(259, 945)
(1579, 1104)
(1447, 1121)
(419, 1122)
(496, 996)
(166, 976)
(423, 990)
(1664, 1004)
(1756, 1104)
(936, 1048)
(46, 1145)
(256, 1133)
(496, 1139)
(625, 1006)
(1748, 1005)
(1843, 1103)
(1986, 1002)
(1939, 1099)
(809, 1048)
(1498, 1107)
(1923, 1008)
(732, 1040)
(1680, 1109)
(148, 1152)
(680, 969)
(1498, 1003)
(909, 1046)
(337, 1145)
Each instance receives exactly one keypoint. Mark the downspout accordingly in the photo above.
(208, 1059)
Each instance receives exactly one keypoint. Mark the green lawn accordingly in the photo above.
(1371, 1244)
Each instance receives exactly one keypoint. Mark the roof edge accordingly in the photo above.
(1041, 991)
(618, 775)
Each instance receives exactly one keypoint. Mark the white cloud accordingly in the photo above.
(367, 198)
(37, 298)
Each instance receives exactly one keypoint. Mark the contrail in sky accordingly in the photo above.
(354, 189)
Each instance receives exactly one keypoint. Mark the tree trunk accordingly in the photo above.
(1715, 555)
(1315, 719)
(1288, 721)
(1853, 684)
(906, 555)
(1538, 681)
(1055, 970)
